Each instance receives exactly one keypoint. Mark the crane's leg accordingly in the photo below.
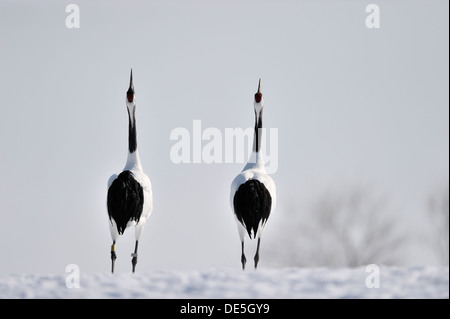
(113, 255)
(243, 259)
(134, 255)
(257, 253)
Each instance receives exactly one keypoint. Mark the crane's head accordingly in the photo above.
(259, 100)
(130, 93)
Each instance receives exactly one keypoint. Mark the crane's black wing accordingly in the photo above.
(252, 204)
(125, 200)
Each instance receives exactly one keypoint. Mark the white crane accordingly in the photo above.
(129, 199)
(253, 192)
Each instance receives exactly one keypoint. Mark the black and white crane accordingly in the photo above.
(129, 199)
(253, 192)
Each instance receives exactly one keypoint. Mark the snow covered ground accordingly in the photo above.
(394, 282)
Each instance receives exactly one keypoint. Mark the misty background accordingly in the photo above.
(362, 117)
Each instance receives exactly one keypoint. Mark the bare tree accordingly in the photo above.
(439, 215)
(341, 228)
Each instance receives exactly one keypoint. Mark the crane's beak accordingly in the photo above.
(130, 92)
(258, 95)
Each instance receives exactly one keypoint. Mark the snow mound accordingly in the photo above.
(394, 282)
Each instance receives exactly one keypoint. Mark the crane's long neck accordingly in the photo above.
(133, 160)
(132, 136)
(258, 132)
(256, 159)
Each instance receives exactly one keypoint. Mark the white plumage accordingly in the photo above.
(253, 192)
(130, 200)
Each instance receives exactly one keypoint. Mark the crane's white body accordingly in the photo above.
(254, 169)
(134, 166)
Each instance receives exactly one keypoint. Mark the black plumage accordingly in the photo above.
(125, 200)
(132, 135)
(252, 204)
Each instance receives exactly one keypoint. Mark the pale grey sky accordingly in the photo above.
(351, 104)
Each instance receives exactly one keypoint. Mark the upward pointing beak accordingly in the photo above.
(258, 95)
(130, 92)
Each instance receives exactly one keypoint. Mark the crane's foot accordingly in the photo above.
(134, 261)
(113, 257)
(243, 261)
(256, 260)
(257, 253)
